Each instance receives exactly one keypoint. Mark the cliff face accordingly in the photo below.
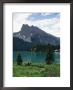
(32, 35)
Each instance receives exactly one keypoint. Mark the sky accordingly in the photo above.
(48, 22)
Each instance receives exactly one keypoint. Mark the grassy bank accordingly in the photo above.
(36, 70)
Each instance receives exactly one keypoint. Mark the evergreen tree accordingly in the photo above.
(19, 59)
(50, 57)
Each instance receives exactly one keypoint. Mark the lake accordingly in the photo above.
(35, 57)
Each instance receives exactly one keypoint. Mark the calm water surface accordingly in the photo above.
(35, 57)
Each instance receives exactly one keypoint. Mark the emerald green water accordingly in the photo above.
(35, 57)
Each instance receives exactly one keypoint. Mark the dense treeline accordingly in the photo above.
(44, 48)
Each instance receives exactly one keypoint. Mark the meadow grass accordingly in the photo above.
(36, 70)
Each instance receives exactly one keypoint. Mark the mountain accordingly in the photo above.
(20, 45)
(32, 35)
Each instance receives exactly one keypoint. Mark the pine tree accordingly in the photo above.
(49, 58)
(19, 59)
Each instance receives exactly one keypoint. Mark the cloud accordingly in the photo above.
(19, 19)
(45, 14)
(49, 25)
